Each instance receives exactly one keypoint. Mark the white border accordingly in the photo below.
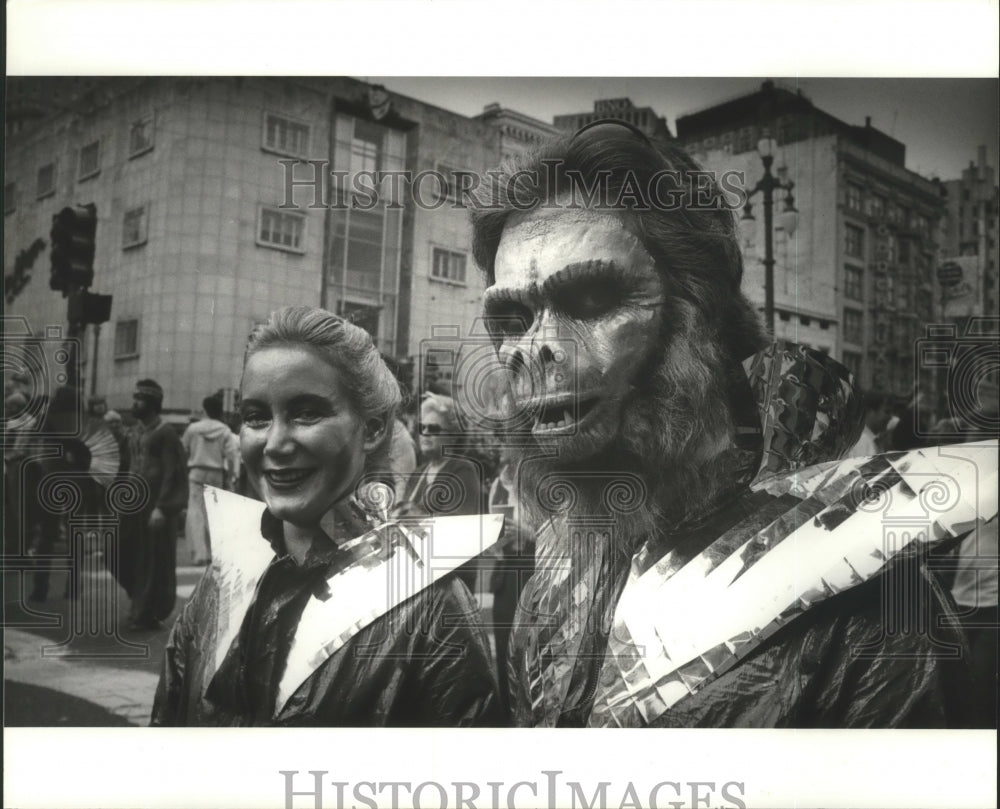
(240, 768)
(957, 38)
(134, 767)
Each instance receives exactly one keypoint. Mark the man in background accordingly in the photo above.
(156, 455)
(213, 459)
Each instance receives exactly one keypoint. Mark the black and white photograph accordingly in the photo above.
(471, 416)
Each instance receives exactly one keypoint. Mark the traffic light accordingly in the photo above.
(72, 234)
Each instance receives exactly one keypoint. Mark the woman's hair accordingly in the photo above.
(443, 406)
(369, 384)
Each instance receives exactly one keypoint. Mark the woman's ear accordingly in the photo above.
(375, 431)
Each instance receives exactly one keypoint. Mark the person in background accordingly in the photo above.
(120, 559)
(444, 486)
(115, 423)
(45, 526)
(913, 427)
(97, 407)
(18, 428)
(876, 418)
(213, 459)
(157, 456)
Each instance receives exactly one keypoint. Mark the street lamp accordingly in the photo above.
(766, 186)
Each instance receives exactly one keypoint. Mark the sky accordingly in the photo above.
(941, 121)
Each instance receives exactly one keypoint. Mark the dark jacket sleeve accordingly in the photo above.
(453, 664)
(895, 659)
(172, 705)
(165, 444)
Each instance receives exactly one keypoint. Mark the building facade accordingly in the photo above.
(970, 233)
(518, 132)
(221, 199)
(643, 118)
(854, 272)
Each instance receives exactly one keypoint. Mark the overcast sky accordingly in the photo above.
(941, 121)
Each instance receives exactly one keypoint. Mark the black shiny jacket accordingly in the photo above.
(426, 662)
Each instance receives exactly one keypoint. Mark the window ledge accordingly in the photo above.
(448, 281)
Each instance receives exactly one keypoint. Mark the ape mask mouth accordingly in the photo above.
(561, 414)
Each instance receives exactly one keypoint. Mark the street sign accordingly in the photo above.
(949, 273)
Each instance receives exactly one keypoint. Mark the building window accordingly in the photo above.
(366, 146)
(90, 160)
(924, 304)
(283, 230)
(885, 248)
(854, 279)
(852, 325)
(852, 362)
(745, 141)
(876, 206)
(46, 180)
(854, 241)
(140, 136)
(285, 136)
(9, 197)
(448, 266)
(126, 339)
(905, 254)
(134, 227)
(883, 333)
(903, 297)
(853, 198)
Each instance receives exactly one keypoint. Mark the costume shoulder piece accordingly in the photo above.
(388, 564)
(818, 532)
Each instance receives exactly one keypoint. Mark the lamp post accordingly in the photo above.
(766, 186)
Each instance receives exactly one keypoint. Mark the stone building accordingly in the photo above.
(216, 204)
(854, 271)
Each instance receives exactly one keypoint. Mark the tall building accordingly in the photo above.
(970, 233)
(643, 118)
(854, 272)
(216, 204)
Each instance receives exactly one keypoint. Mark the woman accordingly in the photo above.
(445, 485)
(317, 403)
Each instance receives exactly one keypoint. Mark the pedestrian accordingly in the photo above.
(120, 557)
(19, 426)
(446, 484)
(876, 418)
(318, 404)
(158, 457)
(212, 460)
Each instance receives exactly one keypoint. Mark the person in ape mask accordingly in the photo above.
(703, 558)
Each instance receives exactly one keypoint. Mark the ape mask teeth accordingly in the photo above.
(559, 415)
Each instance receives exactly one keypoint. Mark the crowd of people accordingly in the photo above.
(643, 576)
